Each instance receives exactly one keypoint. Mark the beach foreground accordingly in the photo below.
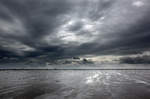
(75, 84)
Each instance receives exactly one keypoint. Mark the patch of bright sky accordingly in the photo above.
(103, 58)
(72, 36)
(111, 58)
(138, 3)
(145, 53)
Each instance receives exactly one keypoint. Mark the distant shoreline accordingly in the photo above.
(76, 69)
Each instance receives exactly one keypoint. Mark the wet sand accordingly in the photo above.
(75, 84)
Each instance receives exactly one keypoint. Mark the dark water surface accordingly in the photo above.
(75, 84)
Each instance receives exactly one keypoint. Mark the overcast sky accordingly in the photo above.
(74, 27)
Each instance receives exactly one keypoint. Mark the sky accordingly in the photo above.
(67, 28)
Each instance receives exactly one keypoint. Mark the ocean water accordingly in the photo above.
(95, 66)
(75, 84)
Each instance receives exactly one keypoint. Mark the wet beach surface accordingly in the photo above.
(75, 84)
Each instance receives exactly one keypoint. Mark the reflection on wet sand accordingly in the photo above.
(91, 84)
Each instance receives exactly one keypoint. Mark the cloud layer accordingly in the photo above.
(73, 27)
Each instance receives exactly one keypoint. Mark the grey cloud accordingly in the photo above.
(71, 28)
(38, 18)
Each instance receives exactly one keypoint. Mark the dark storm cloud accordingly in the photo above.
(69, 28)
(27, 21)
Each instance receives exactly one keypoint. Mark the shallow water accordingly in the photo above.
(75, 84)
